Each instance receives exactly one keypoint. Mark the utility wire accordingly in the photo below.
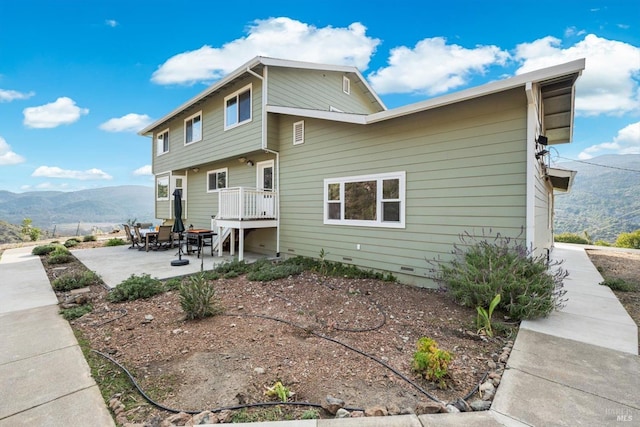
(596, 164)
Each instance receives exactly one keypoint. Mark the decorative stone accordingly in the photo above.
(462, 405)
(356, 414)
(179, 419)
(376, 411)
(488, 395)
(148, 317)
(491, 364)
(480, 405)
(452, 409)
(176, 331)
(225, 416)
(486, 386)
(393, 409)
(429, 408)
(206, 417)
(332, 404)
(342, 413)
(259, 370)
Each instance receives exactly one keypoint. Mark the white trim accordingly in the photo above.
(260, 167)
(379, 178)
(191, 117)
(533, 126)
(359, 119)
(158, 134)
(298, 133)
(216, 171)
(236, 95)
(157, 183)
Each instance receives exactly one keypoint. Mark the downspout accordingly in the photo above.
(532, 124)
(267, 150)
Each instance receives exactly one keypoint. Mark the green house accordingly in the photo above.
(290, 158)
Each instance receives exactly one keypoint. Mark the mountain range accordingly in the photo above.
(78, 212)
(604, 200)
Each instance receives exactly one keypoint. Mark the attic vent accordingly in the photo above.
(346, 85)
(298, 132)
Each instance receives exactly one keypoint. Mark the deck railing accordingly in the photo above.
(244, 203)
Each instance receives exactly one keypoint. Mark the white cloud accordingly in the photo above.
(143, 171)
(627, 141)
(433, 67)
(56, 172)
(274, 37)
(128, 123)
(10, 95)
(111, 23)
(573, 31)
(63, 111)
(609, 83)
(8, 157)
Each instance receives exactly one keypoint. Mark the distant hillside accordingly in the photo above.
(10, 233)
(604, 201)
(68, 211)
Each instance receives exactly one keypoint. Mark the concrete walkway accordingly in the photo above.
(579, 366)
(44, 378)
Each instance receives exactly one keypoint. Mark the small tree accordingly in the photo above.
(29, 231)
(629, 240)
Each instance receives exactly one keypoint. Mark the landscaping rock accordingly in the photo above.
(480, 405)
(342, 413)
(206, 417)
(429, 408)
(179, 419)
(376, 411)
(332, 405)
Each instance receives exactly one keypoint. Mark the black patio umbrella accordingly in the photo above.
(178, 226)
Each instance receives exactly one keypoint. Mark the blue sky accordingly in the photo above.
(79, 78)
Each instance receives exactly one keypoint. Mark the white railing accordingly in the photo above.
(244, 203)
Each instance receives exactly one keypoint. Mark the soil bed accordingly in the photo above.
(270, 332)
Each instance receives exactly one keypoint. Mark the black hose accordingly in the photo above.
(223, 408)
(473, 391)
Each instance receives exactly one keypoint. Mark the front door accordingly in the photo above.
(265, 182)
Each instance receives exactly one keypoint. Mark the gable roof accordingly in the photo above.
(261, 61)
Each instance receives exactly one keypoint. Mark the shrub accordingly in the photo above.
(71, 242)
(76, 312)
(116, 241)
(136, 287)
(59, 255)
(44, 249)
(570, 238)
(172, 284)
(235, 266)
(601, 243)
(89, 238)
(620, 285)
(483, 268)
(197, 298)
(431, 362)
(75, 281)
(628, 240)
(266, 271)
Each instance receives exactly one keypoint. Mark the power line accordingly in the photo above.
(596, 164)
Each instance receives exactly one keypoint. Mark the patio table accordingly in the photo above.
(146, 234)
(200, 236)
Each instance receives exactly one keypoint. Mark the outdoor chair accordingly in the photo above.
(164, 240)
(140, 238)
(131, 237)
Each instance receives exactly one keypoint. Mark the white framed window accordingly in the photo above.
(368, 200)
(193, 128)
(346, 85)
(162, 142)
(298, 132)
(217, 179)
(162, 187)
(237, 108)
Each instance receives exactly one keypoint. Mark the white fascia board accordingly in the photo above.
(358, 119)
(494, 87)
(225, 80)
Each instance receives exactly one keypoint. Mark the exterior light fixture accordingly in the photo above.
(249, 163)
(542, 140)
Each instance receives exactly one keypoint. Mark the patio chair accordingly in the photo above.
(164, 240)
(141, 239)
(131, 237)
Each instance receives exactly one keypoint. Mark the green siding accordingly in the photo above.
(316, 90)
(466, 171)
(216, 143)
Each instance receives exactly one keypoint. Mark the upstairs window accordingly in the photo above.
(217, 179)
(346, 85)
(237, 108)
(298, 132)
(162, 142)
(369, 201)
(193, 128)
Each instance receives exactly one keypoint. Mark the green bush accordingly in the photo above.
(482, 268)
(601, 243)
(172, 284)
(570, 238)
(197, 298)
(337, 269)
(136, 287)
(238, 267)
(44, 249)
(628, 240)
(116, 241)
(620, 285)
(89, 238)
(265, 271)
(59, 255)
(76, 312)
(68, 282)
(431, 362)
(71, 242)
